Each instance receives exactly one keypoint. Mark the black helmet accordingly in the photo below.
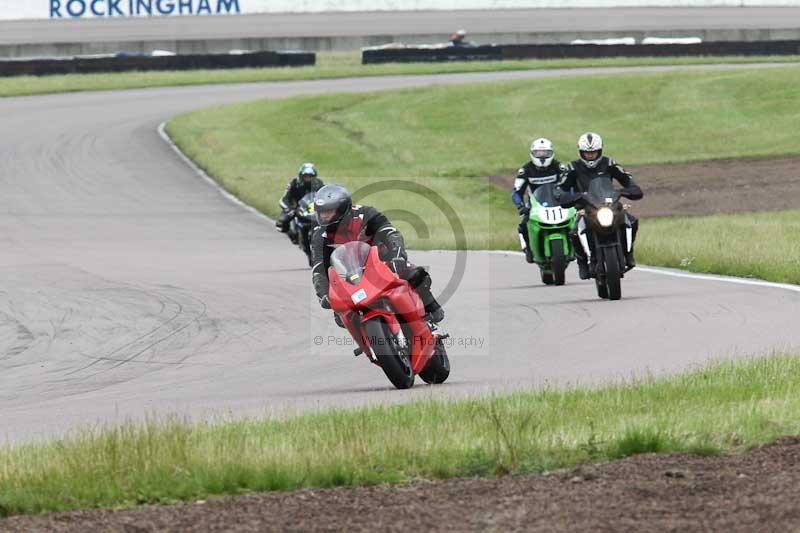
(331, 203)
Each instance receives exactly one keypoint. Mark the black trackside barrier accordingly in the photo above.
(556, 51)
(715, 48)
(125, 63)
(414, 55)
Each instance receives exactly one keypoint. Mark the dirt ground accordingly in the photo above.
(704, 188)
(756, 491)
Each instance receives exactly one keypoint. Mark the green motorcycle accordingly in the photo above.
(549, 226)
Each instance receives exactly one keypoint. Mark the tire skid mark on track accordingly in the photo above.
(178, 323)
(143, 337)
(19, 337)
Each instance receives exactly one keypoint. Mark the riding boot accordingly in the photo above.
(580, 257)
(282, 222)
(528, 254)
(630, 260)
(524, 240)
(432, 307)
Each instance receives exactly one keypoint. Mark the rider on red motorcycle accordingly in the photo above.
(340, 222)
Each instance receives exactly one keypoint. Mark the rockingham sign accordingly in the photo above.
(139, 8)
(66, 9)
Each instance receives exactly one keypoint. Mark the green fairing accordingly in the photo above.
(541, 235)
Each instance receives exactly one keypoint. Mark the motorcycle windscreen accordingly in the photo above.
(545, 195)
(306, 205)
(349, 259)
(601, 192)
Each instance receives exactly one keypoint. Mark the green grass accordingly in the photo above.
(450, 138)
(329, 65)
(753, 245)
(726, 407)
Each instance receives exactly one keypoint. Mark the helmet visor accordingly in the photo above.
(326, 216)
(542, 154)
(590, 155)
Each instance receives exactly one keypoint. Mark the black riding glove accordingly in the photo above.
(399, 266)
(325, 302)
(524, 210)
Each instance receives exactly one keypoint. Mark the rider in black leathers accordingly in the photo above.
(305, 182)
(593, 164)
(541, 169)
(340, 222)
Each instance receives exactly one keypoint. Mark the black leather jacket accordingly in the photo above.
(296, 189)
(578, 177)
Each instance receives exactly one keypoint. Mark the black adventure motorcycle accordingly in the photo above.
(605, 234)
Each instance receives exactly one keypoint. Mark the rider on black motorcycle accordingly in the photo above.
(305, 182)
(340, 222)
(593, 164)
(541, 169)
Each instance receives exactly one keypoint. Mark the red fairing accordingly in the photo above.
(380, 293)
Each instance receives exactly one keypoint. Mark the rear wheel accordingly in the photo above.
(613, 276)
(558, 261)
(392, 357)
(438, 369)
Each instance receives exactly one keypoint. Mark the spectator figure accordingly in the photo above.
(458, 39)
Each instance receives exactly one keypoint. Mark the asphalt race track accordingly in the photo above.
(398, 23)
(132, 286)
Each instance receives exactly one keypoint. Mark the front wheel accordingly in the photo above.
(305, 245)
(393, 360)
(438, 369)
(558, 261)
(613, 275)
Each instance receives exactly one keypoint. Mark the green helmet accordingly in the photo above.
(308, 169)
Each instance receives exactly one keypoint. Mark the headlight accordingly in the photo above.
(605, 216)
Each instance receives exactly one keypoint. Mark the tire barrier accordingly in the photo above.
(122, 62)
(559, 51)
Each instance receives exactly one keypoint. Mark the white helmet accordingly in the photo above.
(590, 142)
(542, 152)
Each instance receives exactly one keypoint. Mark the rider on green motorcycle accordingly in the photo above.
(541, 169)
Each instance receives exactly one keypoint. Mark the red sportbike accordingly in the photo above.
(385, 316)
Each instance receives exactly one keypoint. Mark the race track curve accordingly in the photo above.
(131, 286)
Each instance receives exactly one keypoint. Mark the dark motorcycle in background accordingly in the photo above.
(303, 222)
(606, 235)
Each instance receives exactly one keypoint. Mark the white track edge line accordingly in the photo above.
(651, 270)
(162, 132)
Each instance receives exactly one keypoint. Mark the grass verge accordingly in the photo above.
(448, 138)
(329, 65)
(752, 245)
(726, 407)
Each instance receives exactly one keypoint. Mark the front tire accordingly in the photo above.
(438, 369)
(613, 275)
(558, 261)
(394, 362)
